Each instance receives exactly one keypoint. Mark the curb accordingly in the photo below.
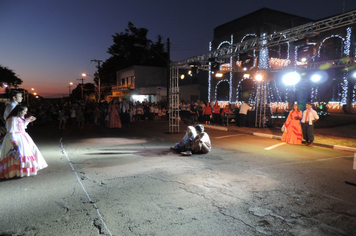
(338, 147)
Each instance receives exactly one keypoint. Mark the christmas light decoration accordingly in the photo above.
(230, 87)
(279, 62)
(216, 88)
(263, 59)
(332, 36)
(248, 35)
(209, 74)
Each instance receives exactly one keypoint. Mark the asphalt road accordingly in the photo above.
(127, 182)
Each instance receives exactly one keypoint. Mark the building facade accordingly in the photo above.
(141, 83)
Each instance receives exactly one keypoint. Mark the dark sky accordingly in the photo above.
(49, 43)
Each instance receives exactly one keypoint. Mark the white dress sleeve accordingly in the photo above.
(12, 127)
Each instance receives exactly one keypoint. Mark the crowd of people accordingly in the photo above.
(21, 157)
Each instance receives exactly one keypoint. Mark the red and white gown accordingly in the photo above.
(294, 128)
(31, 159)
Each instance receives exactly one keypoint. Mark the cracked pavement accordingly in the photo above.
(139, 187)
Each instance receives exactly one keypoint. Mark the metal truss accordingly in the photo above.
(285, 36)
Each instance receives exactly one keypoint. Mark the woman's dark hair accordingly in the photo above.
(16, 111)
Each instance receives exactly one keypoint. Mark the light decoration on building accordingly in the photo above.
(263, 59)
(277, 62)
(334, 105)
(222, 43)
(278, 107)
(209, 76)
(314, 94)
(231, 61)
(216, 88)
(248, 35)
(332, 36)
(348, 41)
(345, 86)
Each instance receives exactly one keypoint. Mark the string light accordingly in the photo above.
(348, 41)
(230, 84)
(279, 62)
(332, 36)
(216, 88)
(248, 35)
(263, 60)
(209, 74)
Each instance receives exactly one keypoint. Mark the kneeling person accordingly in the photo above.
(201, 142)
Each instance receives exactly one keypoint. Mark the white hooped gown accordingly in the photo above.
(31, 159)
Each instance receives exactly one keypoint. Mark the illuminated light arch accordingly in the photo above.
(222, 43)
(216, 87)
(332, 36)
(248, 35)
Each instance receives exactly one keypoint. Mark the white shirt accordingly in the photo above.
(244, 109)
(311, 116)
(9, 108)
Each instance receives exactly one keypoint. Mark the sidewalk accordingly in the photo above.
(340, 137)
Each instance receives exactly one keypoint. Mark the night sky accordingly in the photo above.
(49, 43)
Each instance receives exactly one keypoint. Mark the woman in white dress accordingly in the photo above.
(30, 159)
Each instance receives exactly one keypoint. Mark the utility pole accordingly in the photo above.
(82, 79)
(98, 61)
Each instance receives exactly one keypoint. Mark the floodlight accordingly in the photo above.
(315, 78)
(319, 77)
(291, 78)
(259, 77)
(219, 75)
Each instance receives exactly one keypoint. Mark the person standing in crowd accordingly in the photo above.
(139, 113)
(201, 144)
(310, 116)
(16, 98)
(164, 111)
(293, 134)
(61, 118)
(216, 114)
(125, 116)
(114, 117)
(244, 108)
(156, 113)
(80, 118)
(194, 114)
(207, 112)
(97, 115)
(187, 140)
(27, 159)
(73, 116)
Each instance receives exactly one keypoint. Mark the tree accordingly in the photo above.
(132, 48)
(88, 91)
(7, 76)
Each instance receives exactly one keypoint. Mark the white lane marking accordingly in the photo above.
(227, 136)
(81, 184)
(274, 146)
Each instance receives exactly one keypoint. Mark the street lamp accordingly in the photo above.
(85, 74)
(70, 85)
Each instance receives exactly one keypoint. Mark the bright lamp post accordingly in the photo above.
(85, 74)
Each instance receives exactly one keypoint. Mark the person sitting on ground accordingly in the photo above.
(201, 144)
(187, 140)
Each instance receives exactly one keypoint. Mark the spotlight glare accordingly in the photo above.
(219, 75)
(291, 78)
(259, 77)
(316, 78)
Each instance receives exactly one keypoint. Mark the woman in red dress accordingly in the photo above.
(293, 135)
